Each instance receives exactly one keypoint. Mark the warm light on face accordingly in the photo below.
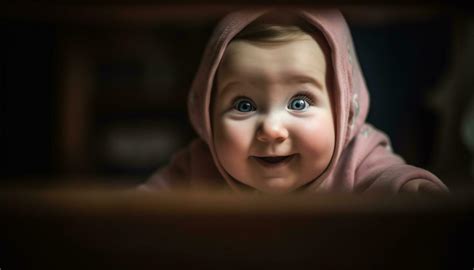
(272, 118)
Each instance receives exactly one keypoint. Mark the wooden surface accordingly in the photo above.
(92, 228)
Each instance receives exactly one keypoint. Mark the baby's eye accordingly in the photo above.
(244, 105)
(299, 103)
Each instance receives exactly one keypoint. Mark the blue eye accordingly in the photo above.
(244, 105)
(298, 104)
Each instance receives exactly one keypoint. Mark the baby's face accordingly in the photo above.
(272, 119)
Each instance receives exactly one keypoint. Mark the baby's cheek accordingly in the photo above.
(234, 136)
(316, 135)
(232, 145)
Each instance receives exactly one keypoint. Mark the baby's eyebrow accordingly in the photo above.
(290, 78)
(300, 78)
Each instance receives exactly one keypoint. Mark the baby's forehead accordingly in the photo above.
(265, 37)
(290, 66)
(302, 55)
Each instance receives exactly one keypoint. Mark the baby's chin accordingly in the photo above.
(277, 186)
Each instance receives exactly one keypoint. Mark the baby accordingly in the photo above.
(280, 103)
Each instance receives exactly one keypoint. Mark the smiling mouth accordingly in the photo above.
(274, 161)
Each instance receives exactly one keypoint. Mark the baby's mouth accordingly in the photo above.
(273, 161)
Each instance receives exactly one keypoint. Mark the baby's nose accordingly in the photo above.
(272, 129)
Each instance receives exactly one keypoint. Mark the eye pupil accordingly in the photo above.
(298, 104)
(244, 106)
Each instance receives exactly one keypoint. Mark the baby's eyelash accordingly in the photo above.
(304, 96)
(239, 98)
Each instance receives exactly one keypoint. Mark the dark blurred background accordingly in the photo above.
(97, 94)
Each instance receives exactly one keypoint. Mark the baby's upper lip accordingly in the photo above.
(272, 156)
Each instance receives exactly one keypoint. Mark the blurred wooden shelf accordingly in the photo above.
(153, 12)
(129, 229)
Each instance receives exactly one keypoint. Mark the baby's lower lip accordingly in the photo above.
(274, 161)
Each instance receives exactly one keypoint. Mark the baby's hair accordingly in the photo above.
(270, 33)
(277, 28)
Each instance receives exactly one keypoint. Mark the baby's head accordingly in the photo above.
(272, 113)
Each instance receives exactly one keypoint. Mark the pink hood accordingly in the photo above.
(362, 158)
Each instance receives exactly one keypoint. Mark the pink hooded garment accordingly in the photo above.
(362, 160)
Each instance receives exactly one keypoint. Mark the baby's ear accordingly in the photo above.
(421, 186)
